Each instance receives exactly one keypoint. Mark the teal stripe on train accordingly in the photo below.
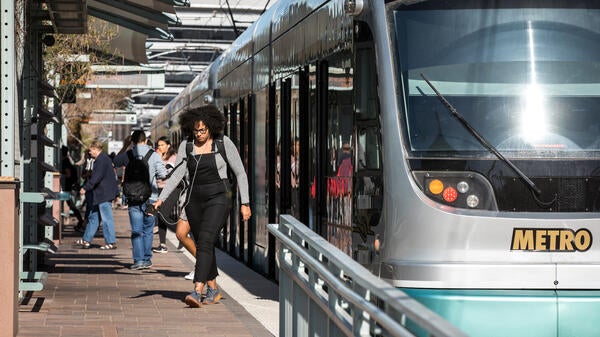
(516, 313)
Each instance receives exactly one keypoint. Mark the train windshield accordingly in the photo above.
(526, 78)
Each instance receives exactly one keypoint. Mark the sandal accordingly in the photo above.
(83, 244)
(108, 247)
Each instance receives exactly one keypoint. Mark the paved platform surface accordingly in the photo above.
(92, 292)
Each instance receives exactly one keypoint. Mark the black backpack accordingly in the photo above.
(136, 184)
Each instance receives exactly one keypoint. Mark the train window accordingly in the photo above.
(367, 186)
(312, 145)
(366, 96)
(505, 70)
(295, 144)
(367, 152)
(340, 127)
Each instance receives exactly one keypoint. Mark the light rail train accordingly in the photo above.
(452, 147)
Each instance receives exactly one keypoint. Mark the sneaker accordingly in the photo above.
(137, 266)
(146, 264)
(189, 276)
(212, 296)
(194, 299)
(161, 249)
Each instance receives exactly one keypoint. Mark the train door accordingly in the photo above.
(339, 160)
(273, 133)
(244, 130)
(261, 174)
(232, 130)
(329, 134)
(312, 150)
(247, 132)
(368, 181)
(289, 147)
(235, 113)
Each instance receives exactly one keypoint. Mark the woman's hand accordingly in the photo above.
(157, 204)
(246, 212)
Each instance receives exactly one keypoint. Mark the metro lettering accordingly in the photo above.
(551, 240)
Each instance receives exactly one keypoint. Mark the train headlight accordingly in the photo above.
(462, 186)
(472, 201)
(436, 186)
(459, 189)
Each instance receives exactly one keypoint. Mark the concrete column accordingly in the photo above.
(9, 251)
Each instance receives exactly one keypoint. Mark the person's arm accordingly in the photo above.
(121, 160)
(97, 173)
(159, 166)
(237, 166)
(176, 175)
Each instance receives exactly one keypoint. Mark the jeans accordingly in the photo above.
(142, 225)
(101, 211)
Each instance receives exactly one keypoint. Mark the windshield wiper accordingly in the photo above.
(483, 141)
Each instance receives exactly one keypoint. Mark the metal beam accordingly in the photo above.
(8, 84)
(183, 3)
(133, 9)
(68, 16)
(148, 30)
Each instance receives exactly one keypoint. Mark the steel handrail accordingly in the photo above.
(393, 298)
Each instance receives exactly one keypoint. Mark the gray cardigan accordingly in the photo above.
(233, 158)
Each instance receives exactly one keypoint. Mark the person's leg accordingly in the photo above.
(108, 224)
(213, 294)
(206, 232)
(136, 220)
(92, 226)
(162, 232)
(182, 231)
(148, 235)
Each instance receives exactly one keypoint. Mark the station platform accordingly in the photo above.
(92, 292)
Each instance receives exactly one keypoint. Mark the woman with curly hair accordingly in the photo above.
(209, 195)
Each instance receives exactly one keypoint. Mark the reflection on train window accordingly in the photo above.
(542, 104)
(366, 97)
(368, 149)
(340, 125)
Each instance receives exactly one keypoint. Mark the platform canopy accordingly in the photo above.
(134, 20)
(180, 36)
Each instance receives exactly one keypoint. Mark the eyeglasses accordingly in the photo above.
(201, 131)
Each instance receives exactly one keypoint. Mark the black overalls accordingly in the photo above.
(207, 210)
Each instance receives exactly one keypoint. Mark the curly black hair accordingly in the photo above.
(209, 115)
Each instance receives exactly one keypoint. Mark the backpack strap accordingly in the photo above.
(189, 148)
(221, 148)
(147, 156)
(145, 159)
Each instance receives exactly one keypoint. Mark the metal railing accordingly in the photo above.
(323, 292)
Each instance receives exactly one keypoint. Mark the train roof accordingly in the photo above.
(274, 23)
